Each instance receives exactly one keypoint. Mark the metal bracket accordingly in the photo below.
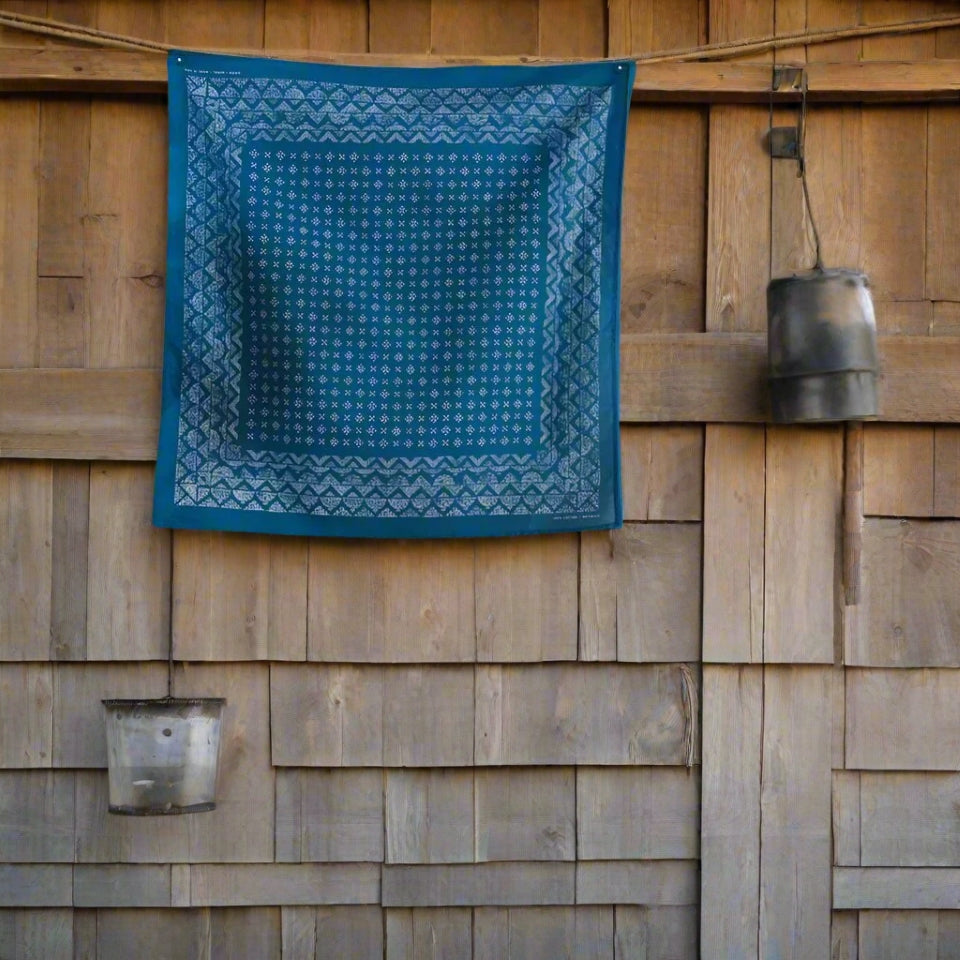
(786, 79)
(783, 143)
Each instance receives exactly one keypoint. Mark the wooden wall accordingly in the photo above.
(491, 749)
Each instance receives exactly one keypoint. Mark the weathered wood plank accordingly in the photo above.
(37, 816)
(64, 164)
(329, 816)
(663, 283)
(637, 28)
(399, 26)
(53, 69)
(344, 724)
(526, 598)
(350, 932)
(572, 28)
(391, 601)
(669, 883)
(943, 234)
(844, 935)
(642, 813)
(163, 934)
(412, 934)
(125, 246)
(909, 819)
(724, 378)
(887, 934)
(428, 717)
(898, 474)
(26, 692)
(730, 812)
(834, 164)
(909, 614)
(232, 23)
(660, 931)
(36, 884)
(239, 597)
(712, 378)
(896, 888)
(492, 27)
(267, 884)
(525, 814)
(128, 563)
(430, 816)
(482, 884)
(239, 932)
(903, 719)
(894, 201)
(583, 715)
(121, 885)
(662, 472)
(542, 933)
(298, 933)
(36, 934)
(738, 224)
(61, 322)
(946, 478)
(734, 490)
(79, 414)
(26, 560)
(19, 204)
(70, 536)
(846, 818)
(804, 474)
(372, 716)
(598, 596)
(795, 813)
(241, 829)
(311, 25)
(657, 569)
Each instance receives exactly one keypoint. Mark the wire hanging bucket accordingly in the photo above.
(163, 755)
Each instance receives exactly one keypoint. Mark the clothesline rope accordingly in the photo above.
(45, 26)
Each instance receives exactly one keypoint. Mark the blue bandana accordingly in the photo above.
(392, 298)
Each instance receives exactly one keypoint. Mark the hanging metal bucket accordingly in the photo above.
(822, 342)
(163, 754)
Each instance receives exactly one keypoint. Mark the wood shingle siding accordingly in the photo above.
(495, 749)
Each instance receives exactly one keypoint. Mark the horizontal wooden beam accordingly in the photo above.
(79, 414)
(664, 378)
(721, 378)
(76, 70)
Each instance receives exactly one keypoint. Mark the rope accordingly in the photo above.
(736, 48)
(711, 51)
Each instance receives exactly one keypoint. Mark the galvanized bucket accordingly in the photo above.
(822, 343)
(163, 754)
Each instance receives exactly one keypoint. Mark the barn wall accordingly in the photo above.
(491, 749)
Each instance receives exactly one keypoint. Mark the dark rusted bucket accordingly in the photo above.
(163, 754)
(822, 342)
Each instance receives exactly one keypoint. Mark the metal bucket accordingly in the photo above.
(822, 342)
(163, 754)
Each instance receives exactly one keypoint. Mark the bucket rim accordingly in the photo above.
(823, 274)
(165, 702)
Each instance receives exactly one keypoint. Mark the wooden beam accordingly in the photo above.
(87, 414)
(721, 378)
(79, 414)
(70, 69)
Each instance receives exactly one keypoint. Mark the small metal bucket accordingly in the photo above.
(822, 343)
(163, 754)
